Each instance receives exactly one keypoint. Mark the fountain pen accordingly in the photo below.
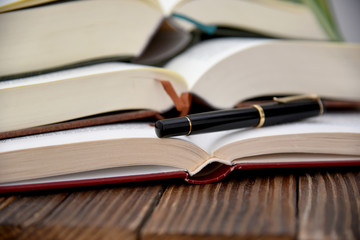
(281, 110)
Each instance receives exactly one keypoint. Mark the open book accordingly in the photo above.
(71, 33)
(222, 72)
(110, 153)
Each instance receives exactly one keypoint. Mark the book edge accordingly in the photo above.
(216, 176)
(92, 182)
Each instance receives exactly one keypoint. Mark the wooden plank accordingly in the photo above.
(250, 204)
(329, 205)
(17, 213)
(113, 213)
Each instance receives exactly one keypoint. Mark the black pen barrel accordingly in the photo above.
(223, 120)
(207, 122)
(255, 116)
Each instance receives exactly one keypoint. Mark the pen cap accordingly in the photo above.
(291, 111)
(172, 127)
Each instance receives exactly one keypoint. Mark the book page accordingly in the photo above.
(101, 174)
(91, 30)
(69, 73)
(105, 132)
(295, 157)
(96, 89)
(94, 148)
(193, 63)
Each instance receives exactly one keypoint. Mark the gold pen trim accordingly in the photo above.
(261, 115)
(190, 125)
(314, 97)
(321, 105)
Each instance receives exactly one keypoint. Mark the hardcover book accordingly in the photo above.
(110, 153)
(220, 72)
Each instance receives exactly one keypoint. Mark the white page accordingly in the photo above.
(70, 73)
(295, 157)
(112, 131)
(194, 62)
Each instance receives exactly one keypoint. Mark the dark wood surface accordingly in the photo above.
(304, 204)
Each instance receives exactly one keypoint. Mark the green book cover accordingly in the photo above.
(322, 12)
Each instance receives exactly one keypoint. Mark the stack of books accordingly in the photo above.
(83, 81)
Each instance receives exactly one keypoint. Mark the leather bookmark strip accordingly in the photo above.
(182, 103)
(85, 122)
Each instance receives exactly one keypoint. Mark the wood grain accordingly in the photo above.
(329, 205)
(251, 204)
(248, 207)
(18, 213)
(98, 214)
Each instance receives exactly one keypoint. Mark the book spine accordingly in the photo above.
(225, 170)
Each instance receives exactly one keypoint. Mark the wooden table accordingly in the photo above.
(249, 204)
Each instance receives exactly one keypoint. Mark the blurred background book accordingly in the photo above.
(42, 36)
(346, 16)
